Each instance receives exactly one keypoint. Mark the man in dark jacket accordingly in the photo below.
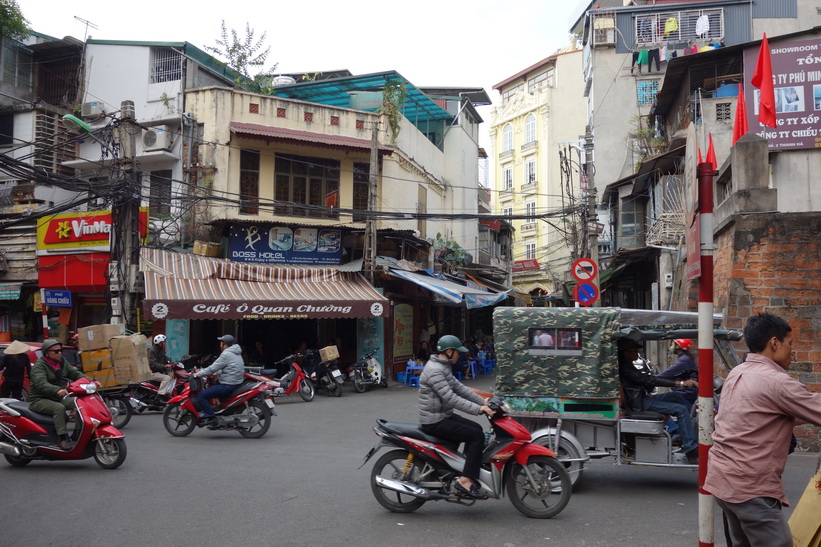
(48, 394)
(684, 368)
(15, 366)
(158, 363)
(638, 381)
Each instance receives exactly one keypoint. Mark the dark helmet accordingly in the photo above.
(449, 341)
(48, 344)
(227, 339)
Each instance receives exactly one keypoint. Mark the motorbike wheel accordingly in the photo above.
(548, 497)
(383, 383)
(262, 413)
(178, 421)
(17, 461)
(335, 388)
(306, 390)
(120, 410)
(392, 465)
(109, 453)
(358, 385)
(565, 450)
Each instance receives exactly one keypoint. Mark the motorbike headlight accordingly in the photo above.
(89, 388)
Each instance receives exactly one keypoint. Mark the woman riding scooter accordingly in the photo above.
(439, 394)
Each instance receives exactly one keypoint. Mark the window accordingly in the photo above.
(546, 340)
(647, 90)
(249, 182)
(530, 211)
(540, 81)
(6, 129)
(530, 129)
(632, 223)
(166, 65)
(16, 63)
(361, 176)
(530, 172)
(507, 212)
(507, 178)
(507, 138)
(304, 182)
(159, 200)
(530, 251)
(723, 112)
(507, 95)
(680, 26)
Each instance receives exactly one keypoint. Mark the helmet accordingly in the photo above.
(159, 339)
(227, 339)
(48, 344)
(684, 343)
(449, 341)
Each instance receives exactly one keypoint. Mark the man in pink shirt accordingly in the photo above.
(760, 404)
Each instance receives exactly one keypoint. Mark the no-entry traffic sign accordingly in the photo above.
(585, 293)
(584, 269)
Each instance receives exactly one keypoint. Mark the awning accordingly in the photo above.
(187, 286)
(283, 134)
(453, 292)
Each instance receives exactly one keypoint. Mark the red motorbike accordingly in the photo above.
(294, 381)
(423, 468)
(248, 409)
(26, 436)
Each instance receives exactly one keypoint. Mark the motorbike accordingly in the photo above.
(422, 468)
(146, 395)
(248, 409)
(294, 381)
(325, 375)
(26, 436)
(367, 372)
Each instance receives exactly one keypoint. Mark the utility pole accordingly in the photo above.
(125, 224)
(369, 251)
(592, 219)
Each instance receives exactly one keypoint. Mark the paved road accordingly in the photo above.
(300, 485)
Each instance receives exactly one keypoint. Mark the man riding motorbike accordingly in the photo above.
(157, 362)
(231, 370)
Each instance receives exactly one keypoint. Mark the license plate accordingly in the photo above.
(335, 373)
(269, 403)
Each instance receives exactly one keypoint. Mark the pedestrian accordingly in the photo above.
(16, 366)
(760, 406)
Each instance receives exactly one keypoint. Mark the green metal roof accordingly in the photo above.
(339, 92)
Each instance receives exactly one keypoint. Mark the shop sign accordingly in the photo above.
(270, 244)
(188, 309)
(522, 265)
(88, 231)
(57, 298)
(10, 291)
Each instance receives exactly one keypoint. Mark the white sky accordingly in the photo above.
(431, 43)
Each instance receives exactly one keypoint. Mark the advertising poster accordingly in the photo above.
(269, 244)
(403, 331)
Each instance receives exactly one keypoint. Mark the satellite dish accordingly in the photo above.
(76, 125)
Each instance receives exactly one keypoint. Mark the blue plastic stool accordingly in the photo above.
(459, 376)
(471, 369)
(411, 378)
(487, 367)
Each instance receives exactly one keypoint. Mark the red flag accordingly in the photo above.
(740, 127)
(700, 160)
(763, 80)
(711, 152)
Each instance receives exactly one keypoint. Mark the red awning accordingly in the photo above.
(495, 225)
(187, 286)
(271, 133)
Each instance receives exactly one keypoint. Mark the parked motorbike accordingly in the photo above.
(248, 409)
(146, 395)
(424, 468)
(367, 372)
(26, 436)
(294, 381)
(325, 375)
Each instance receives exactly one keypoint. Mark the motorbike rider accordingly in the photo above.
(637, 379)
(684, 368)
(158, 362)
(439, 394)
(47, 394)
(231, 369)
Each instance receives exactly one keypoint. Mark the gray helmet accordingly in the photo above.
(48, 344)
(227, 339)
(449, 341)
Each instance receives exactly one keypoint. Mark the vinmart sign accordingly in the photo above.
(88, 231)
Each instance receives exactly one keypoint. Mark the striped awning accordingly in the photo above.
(188, 286)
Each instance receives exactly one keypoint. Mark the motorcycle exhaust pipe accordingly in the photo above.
(137, 402)
(10, 449)
(402, 487)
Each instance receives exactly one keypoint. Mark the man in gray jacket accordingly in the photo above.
(439, 394)
(231, 370)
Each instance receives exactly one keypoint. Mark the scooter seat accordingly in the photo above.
(242, 388)
(413, 431)
(23, 408)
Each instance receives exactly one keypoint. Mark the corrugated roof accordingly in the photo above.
(268, 132)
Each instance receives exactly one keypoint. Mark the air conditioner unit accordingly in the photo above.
(604, 36)
(157, 138)
(93, 109)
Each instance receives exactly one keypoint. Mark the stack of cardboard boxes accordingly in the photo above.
(112, 358)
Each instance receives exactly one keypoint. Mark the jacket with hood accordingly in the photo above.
(440, 393)
(229, 366)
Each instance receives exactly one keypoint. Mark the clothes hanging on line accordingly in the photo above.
(670, 26)
(702, 25)
(653, 54)
(663, 53)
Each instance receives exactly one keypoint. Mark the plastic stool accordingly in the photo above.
(411, 378)
(487, 368)
(459, 376)
(471, 369)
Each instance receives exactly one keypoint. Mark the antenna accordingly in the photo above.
(87, 24)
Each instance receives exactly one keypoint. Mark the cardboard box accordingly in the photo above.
(329, 352)
(130, 357)
(97, 336)
(97, 365)
(206, 248)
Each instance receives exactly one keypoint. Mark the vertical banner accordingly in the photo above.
(176, 332)
(403, 331)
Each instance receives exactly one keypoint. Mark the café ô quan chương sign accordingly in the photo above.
(257, 310)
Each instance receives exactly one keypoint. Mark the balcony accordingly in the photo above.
(529, 188)
(506, 194)
(528, 227)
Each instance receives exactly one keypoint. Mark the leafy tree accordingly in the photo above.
(12, 23)
(245, 55)
(644, 140)
(449, 254)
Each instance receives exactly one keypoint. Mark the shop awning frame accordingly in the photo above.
(452, 292)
